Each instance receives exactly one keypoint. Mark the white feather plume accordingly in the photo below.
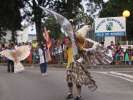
(83, 31)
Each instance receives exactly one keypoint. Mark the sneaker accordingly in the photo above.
(77, 98)
(44, 74)
(69, 96)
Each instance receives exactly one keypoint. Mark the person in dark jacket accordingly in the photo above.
(10, 63)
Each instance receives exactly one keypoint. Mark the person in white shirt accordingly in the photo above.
(43, 60)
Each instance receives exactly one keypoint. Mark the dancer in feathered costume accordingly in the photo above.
(89, 51)
(16, 55)
(77, 73)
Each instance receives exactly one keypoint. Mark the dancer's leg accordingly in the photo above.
(78, 94)
(69, 84)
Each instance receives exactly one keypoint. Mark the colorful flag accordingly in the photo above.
(47, 38)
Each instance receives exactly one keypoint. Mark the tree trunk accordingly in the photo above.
(13, 38)
(37, 18)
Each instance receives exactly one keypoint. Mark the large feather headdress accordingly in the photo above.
(82, 40)
(96, 53)
(82, 32)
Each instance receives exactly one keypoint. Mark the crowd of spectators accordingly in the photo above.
(120, 55)
(56, 52)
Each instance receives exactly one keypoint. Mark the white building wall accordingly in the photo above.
(27, 35)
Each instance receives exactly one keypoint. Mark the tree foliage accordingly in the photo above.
(54, 27)
(12, 16)
(69, 10)
(9, 16)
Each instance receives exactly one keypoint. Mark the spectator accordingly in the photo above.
(112, 46)
(118, 54)
(59, 53)
(132, 56)
(129, 54)
(10, 63)
(126, 57)
(43, 59)
(29, 59)
(121, 55)
(117, 57)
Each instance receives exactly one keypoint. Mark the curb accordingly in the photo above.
(89, 66)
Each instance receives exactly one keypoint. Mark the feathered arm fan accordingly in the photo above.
(17, 55)
(92, 51)
(66, 26)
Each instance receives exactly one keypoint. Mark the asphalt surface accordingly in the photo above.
(30, 85)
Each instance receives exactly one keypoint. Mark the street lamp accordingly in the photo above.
(65, 1)
(126, 13)
(105, 1)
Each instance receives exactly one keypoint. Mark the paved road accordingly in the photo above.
(30, 85)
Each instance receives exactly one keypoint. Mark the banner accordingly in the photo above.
(110, 26)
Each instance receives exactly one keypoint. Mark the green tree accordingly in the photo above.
(68, 9)
(10, 16)
(54, 28)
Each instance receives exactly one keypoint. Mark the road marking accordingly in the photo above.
(124, 71)
(119, 75)
(122, 74)
(122, 77)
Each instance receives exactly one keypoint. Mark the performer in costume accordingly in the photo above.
(10, 63)
(77, 72)
(70, 61)
(90, 52)
(16, 55)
